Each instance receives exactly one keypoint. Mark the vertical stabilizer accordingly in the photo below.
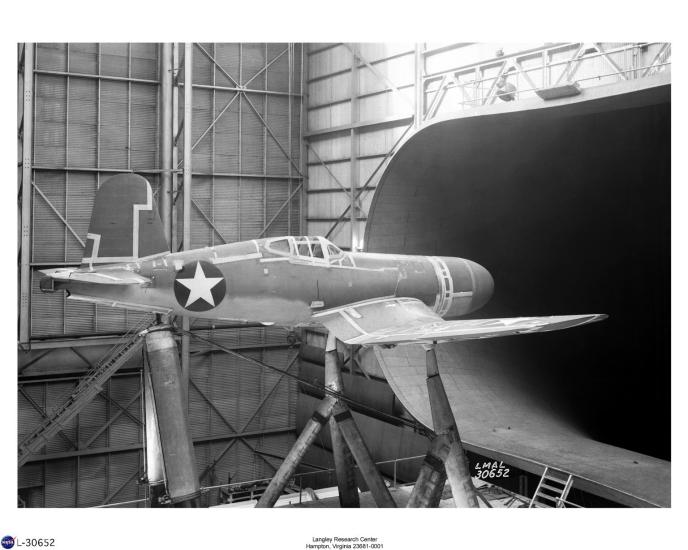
(125, 224)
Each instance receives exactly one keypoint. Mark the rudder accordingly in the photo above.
(125, 225)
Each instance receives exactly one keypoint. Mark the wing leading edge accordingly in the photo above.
(391, 321)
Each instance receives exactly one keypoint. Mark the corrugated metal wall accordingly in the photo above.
(364, 99)
(86, 128)
(97, 113)
(247, 165)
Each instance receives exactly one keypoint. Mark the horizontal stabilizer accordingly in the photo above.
(392, 321)
(102, 276)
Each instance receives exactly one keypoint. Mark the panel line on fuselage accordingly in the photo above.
(228, 259)
(445, 282)
(339, 309)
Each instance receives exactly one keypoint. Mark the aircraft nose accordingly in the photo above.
(470, 289)
(483, 285)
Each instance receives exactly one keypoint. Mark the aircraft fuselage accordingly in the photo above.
(284, 281)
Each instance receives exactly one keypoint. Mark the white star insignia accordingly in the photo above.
(200, 286)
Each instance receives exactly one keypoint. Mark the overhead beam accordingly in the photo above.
(98, 77)
(361, 125)
(137, 446)
(239, 89)
(361, 95)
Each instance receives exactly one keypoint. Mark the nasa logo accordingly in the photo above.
(7, 542)
(199, 286)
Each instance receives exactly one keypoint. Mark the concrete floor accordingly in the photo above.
(497, 497)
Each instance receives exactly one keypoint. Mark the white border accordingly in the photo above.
(354, 20)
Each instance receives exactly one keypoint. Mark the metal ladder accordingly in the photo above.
(557, 484)
(86, 390)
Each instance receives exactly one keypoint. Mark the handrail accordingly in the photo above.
(520, 91)
(518, 55)
(302, 474)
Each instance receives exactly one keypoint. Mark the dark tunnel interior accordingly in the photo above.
(568, 207)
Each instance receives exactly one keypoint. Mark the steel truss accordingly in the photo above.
(241, 89)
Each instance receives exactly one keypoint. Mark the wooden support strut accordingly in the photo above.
(343, 459)
(296, 454)
(369, 471)
(352, 439)
(428, 488)
(446, 445)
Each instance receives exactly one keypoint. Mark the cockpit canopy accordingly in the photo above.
(315, 248)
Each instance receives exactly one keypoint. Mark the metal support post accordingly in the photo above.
(175, 145)
(171, 411)
(27, 145)
(353, 166)
(296, 454)
(155, 473)
(343, 459)
(456, 464)
(369, 471)
(188, 127)
(303, 152)
(166, 140)
(419, 65)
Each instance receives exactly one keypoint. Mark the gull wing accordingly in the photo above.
(391, 321)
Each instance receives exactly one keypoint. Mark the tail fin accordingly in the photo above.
(125, 224)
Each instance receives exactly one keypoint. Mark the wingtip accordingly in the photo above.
(596, 317)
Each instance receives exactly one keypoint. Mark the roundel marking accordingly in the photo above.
(199, 286)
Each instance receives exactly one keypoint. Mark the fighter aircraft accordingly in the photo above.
(363, 298)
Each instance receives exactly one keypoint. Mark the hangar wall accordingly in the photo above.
(96, 112)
